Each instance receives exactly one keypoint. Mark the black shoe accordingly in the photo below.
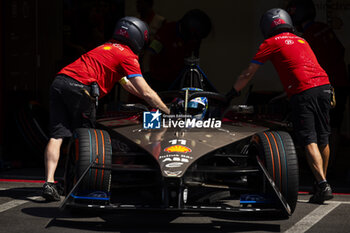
(50, 192)
(315, 188)
(323, 193)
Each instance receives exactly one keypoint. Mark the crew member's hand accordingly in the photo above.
(167, 111)
(232, 93)
(175, 108)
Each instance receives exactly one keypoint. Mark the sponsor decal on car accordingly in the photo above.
(178, 141)
(254, 198)
(175, 157)
(173, 173)
(174, 164)
(178, 148)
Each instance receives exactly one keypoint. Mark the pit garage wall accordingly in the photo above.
(1, 85)
(31, 48)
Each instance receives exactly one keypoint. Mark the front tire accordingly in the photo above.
(88, 145)
(276, 150)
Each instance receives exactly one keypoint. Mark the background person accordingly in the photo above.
(71, 106)
(149, 16)
(175, 41)
(307, 85)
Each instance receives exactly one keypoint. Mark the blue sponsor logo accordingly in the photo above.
(151, 120)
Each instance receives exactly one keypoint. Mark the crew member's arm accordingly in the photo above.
(242, 81)
(246, 76)
(148, 94)
(127, 85)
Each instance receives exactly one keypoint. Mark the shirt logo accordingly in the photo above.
(289, 42)
(301, 41)
(107, 48)
(151, 120)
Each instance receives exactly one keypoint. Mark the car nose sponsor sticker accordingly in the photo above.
(176, 159)
(174, 164)
(173, 173)
(178, 148)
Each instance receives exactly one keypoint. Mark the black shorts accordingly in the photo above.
(310, 115)
(70, 107)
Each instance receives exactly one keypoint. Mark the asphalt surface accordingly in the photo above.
(22, 209)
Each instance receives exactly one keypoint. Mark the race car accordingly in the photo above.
(129, 164)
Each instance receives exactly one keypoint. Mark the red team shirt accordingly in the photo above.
(106, 65)
(295, 62)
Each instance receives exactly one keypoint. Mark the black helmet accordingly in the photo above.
(195, 24)
(275, 21)
(301, 11)
(133, 32)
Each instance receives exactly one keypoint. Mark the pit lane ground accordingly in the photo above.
(22, 209)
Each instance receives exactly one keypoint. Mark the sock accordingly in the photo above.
(322, 183)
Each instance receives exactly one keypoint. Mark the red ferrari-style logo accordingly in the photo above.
(123, 32)
(277, 22)
(178, 148)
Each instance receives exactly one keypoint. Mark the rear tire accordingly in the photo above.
(276, 150)
(85, 146)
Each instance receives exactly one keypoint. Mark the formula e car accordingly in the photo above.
(123, 165)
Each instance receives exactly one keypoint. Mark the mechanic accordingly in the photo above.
(307, 85)
(77, 87)
(330, 54)
(174, 41)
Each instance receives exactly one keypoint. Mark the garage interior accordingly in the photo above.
(40, 37)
